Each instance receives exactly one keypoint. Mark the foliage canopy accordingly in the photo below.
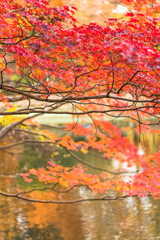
(50, 65)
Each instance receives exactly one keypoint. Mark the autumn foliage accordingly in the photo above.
(50, 64)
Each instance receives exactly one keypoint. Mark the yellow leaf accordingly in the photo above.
(84, 151)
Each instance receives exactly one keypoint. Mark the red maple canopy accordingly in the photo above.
(50, 64)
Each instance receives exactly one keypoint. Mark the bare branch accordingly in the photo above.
(104, 198)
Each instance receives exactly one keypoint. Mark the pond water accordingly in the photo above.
(105, 220)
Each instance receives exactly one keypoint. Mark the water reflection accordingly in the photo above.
(122, 220)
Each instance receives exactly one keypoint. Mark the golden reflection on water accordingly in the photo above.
(149, 143)
(66, 218)
(123, 220)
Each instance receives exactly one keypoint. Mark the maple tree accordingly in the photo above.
(50, 64)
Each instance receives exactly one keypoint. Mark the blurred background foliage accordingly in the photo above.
(92, 10)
